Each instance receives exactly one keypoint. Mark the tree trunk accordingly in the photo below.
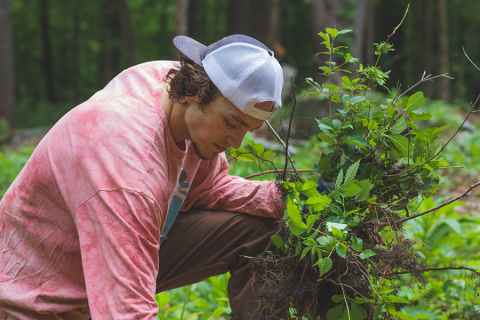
(467, 36)
(359, 23)
(128, 41)
(259, 23)
(427, 43)
(238, 17)
(443, 57)
(6, 64)
(370, 34)
(111, 35)
(181, 21)
(47, 51)
(274, 23)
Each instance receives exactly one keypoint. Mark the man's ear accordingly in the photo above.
(191, 99)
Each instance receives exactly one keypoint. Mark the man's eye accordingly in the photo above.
(230, 124)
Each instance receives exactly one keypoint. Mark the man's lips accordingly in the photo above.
(219, 148)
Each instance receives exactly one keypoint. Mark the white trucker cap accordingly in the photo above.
(242, 68)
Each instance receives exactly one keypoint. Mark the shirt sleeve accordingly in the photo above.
(119, 235)
(214, 189)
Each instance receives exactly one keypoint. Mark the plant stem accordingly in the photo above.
(185, 302)
(275, 171)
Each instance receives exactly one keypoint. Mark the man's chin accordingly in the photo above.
(202, 154)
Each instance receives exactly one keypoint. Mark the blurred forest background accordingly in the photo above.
(56, 54)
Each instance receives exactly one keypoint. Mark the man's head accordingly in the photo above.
(236, 82)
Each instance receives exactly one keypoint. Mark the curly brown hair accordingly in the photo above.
(191, 80)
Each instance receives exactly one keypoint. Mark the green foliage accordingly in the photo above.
(11, 162)
(381, 160)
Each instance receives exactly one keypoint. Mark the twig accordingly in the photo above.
(394, 30)
(465, 194)
(443, 147)
(274, 171)
(436, 269)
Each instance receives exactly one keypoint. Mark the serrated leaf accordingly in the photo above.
(339, 180)
(335, 312)
(364, 185)
(325, 266)
(351, 172)
(357, 99)
(326, 242)
(318, 203)
(367, 254)
(415, 101)
(341, 250)
(326, 138)
(276, 240)
(257, 147)
(350, 189)
(357, 245)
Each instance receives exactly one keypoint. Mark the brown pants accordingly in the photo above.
(202, 244)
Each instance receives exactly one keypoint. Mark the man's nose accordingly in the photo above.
(235, 142)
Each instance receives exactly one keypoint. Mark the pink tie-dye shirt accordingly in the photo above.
(80, 226)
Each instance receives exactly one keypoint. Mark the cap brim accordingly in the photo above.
(190, 48)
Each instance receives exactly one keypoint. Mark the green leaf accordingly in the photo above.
(268, 154)
(276, 240)
(349, 189)
(337, 298)
(352, 172)
(400, 142)
(325, 266)
(324, 127)
(364, 186)
(332, 32)
(367, 254)
(357, 244)
(321, 97)
(318, 203)
(256, 147)
(326, 242)
(357, 99)
(337, 233)
(298, 248)
(304, 252)
(394, 299)
(415, 101)
(345, 31)
(294, 213)
(334, 313)
(358, 141)
(378, 310)
(242, 154)
(324, 137)
(295, 230)
(358, 312)
(341, 249)
(339, 180)
(399, 126)
(412, 125)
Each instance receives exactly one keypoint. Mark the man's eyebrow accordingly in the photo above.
(243, 123)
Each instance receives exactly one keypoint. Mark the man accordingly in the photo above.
(81, 226)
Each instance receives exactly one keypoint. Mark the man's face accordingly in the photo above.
(219, 126)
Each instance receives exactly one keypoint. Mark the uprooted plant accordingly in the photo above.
(344, 252)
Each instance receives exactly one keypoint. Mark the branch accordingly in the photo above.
(285, 146)
(436, 269)
(274, 171)
(465, 194)
(443, 147)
